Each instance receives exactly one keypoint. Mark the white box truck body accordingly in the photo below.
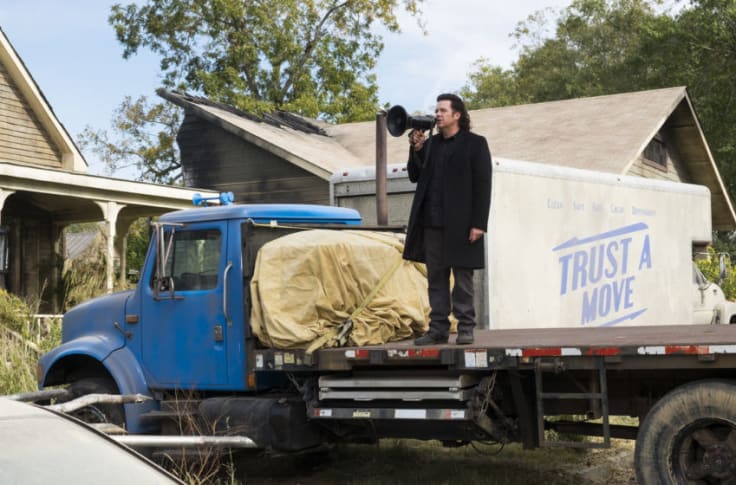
(577, 248)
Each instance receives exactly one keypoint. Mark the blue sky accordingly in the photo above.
(73, 55)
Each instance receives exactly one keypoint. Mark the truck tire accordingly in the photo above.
(689, 436)
(97, 413)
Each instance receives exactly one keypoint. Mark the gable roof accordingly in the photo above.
(71, 157)
(296, 139)
(603, 133)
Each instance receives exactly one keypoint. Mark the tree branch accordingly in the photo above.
(309, 48)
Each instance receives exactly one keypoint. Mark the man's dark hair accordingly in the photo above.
(456, 103)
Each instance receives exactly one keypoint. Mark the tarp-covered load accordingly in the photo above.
(306, 285)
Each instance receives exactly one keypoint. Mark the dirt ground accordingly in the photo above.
(422, 463)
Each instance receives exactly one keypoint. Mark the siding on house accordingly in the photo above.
(215, 159)
(675, 169)
(21, 137)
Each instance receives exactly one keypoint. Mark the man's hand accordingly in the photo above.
(475, 234)
(417, 139)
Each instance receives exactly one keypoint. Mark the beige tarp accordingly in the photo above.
(306, 284)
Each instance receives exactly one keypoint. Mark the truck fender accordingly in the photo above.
(130, 379)
(727, 312)
(118, 362)
(52, 365)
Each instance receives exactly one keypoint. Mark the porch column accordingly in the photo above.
(110, 211)
(4, 194)
(121, 246)
(57, 237)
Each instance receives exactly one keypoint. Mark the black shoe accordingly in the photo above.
(430, 339)
(464, 338)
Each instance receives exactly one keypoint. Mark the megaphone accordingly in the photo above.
(398, 121)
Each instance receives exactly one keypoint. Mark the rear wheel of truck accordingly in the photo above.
(689, 436)
(97, 413)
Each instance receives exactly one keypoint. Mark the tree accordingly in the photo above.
(598, 47)
(312, 57)
(611, 46)
(143, 137)
(491, 86)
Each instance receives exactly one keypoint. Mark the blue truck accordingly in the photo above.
(182, 339)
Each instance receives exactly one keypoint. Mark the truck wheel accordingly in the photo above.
(97, 413)
(689, 436)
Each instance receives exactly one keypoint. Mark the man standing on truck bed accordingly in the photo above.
(449, 215)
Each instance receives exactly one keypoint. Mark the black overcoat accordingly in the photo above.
(466, 197)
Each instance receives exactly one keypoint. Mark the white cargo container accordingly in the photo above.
(578, 248)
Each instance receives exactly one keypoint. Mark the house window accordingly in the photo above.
(656, 152)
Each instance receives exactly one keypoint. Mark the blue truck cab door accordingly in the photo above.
(184, 333)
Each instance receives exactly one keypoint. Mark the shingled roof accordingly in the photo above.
(604, 133)
(12, 66)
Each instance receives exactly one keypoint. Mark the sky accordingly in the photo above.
(72, 53)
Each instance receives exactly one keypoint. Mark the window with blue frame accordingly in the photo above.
(194, 259)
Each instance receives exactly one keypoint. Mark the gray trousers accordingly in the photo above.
(460, 301)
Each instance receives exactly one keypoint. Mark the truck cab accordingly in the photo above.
(185, 325)
(710, 305)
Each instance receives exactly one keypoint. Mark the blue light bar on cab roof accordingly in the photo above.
(225, 198)
(265, 213)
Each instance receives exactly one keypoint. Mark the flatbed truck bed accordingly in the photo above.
(622, 347)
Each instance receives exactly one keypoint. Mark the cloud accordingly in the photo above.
(416, 67)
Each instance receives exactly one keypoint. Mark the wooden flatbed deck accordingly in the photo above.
(590, 337)
(510, 348)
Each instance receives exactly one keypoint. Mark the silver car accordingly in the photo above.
(39, 446)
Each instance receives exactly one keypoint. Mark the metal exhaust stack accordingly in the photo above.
(381, 194)
(157, 441)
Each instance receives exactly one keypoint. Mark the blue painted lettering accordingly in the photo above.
(613, 266)
(563, 283)
(606, 299)
(578, 269)
(625, 255)
(589, 266)
(595, 269)
(590, 304)
(646, 254)
(628, 292)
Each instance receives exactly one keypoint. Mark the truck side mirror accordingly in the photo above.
(163, 244)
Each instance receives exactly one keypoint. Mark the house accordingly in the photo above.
(287, 158)
(44, 188)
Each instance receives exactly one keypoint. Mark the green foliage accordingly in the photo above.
(597, 47)
(14, 313)
(85, 276)
(313, 57)
(137, 245)
(21, 342)
(710, 267)
(143, 137)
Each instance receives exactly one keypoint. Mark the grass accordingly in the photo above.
(21, 344)
(414, 462)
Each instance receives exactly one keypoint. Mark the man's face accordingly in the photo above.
(445, 116)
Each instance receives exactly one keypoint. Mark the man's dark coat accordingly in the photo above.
(466, 182)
